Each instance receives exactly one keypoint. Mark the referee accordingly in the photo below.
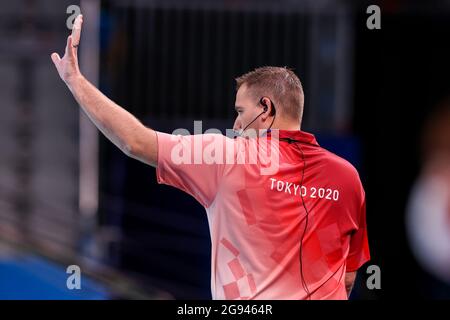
(288, 226)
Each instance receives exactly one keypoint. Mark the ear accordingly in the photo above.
(263, 101)
(268, 106)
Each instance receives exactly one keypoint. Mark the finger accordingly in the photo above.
(76, 30)
(55, 58)
(69, 47)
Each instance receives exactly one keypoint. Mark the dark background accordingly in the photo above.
(400, 74)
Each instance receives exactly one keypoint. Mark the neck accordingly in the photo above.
(283, 124)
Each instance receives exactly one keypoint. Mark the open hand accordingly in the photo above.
(67, 67)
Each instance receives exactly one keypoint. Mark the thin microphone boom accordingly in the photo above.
(261, 101)
(253, 121)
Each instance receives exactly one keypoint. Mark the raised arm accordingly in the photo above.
(117, 124)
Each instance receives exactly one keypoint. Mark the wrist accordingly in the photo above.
(74, 80)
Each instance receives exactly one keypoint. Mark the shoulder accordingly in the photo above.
(184, 137)
(340, 168)
(341, 173)
(338, 162)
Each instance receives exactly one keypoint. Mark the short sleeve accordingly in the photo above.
(359, 245)
(192, 163)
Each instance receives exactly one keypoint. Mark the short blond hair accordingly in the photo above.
(278, 83)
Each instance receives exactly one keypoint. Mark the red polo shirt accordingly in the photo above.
(256, 214)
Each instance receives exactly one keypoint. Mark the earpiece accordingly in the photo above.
(264, 104)
(272, 113)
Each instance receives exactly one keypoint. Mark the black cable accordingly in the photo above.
(290, 140)
(305, 286)
(272, 112)
(259, 115)
(270, 127)
(332, 276)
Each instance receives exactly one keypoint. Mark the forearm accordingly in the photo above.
(349, 288)
(349, 282)
(117, 124)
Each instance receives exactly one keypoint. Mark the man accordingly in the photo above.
(294, 231)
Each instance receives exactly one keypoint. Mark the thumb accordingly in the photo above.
(55, 58)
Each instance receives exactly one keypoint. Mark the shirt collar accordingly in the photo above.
(298, 135)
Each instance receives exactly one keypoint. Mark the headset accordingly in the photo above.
(264, 104)
(272, 113)
(296, 143)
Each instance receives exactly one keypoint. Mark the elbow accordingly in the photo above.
(142, 147)
(134, 150)
(131, 142)
(129, 149)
